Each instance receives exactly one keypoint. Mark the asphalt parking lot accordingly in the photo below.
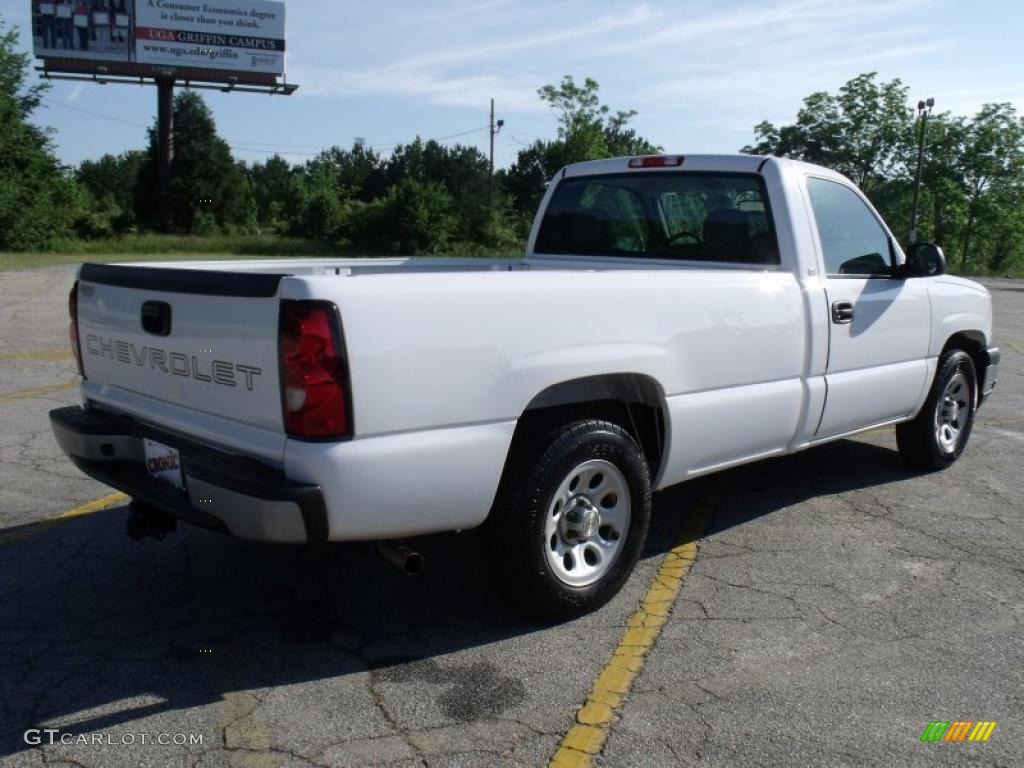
(837, 603)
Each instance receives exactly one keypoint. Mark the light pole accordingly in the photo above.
(924, 108)
(494, 128)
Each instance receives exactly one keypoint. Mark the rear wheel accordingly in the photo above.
(936, 437)
(570, 520)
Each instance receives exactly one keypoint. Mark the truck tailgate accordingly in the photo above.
(200, 340)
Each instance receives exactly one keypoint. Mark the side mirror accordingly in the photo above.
(924, 260)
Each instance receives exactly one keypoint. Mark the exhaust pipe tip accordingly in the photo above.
(414, 564)
(404, 558)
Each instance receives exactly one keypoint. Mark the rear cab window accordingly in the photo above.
(661, 215)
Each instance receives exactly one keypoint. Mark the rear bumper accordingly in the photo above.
(989, 375)
(237, 495)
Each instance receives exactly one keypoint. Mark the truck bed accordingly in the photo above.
(375, 265)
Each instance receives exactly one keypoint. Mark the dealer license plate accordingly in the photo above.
(163, 462)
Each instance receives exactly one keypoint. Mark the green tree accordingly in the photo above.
(38, 200)
(323, 215)
(277, 190)
(581, 117)
(204, 176)
(943, 192)
(992, 166)
(972, 191)
(415, 217)
(865, 131)
(526, 178)
(461, 170)
(587, 130)
(110, 182)
(360, 171)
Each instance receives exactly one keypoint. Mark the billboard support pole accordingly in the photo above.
(165, 146)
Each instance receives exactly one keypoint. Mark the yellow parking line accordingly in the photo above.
(61, 353)
(1015, 347)
(588, 736)
(92, 506)
(21, 394)
(69, 514)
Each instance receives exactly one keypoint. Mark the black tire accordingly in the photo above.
(919, 440)
(515, 531)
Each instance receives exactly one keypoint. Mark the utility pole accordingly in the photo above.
(924, 108)
(494, 129)
(164, 147)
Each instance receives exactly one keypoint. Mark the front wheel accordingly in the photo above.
(571, 520)
(936, 437)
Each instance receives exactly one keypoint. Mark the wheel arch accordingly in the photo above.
(974, 343)
(634, 401)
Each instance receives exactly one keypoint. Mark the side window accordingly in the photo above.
(852, 240)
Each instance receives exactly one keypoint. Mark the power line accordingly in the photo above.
(94, 114)
(275, 144)
(524, 133)
(238, 146)
(258, 146)
(394, 144)
(263, 150)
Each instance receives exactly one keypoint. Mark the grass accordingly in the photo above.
(164, 247)
(154, 247)
(1011, 271)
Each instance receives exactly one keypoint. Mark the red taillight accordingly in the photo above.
(656, 161)
(314, 373)
(76, 347)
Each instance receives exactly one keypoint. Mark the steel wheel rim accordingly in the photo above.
(952, 412)
(587, 522)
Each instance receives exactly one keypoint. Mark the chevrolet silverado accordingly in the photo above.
(672, 316)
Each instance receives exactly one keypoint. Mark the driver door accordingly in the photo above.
(879, 325)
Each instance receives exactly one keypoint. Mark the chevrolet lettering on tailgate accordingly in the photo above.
(177, 363)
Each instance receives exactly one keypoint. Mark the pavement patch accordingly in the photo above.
(48, 389)
(60, 353)
(593, 720)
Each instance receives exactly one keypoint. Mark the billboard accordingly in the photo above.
(242, 36)
(99, 31)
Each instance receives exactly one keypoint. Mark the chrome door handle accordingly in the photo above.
(842, 312)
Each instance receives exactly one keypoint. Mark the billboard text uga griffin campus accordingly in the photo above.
(239, 35)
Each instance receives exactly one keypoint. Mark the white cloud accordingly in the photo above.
(435, 88)
(535, 39)
(464, 75)
(735, 56)
(761, 22)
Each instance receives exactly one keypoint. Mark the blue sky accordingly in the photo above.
(701, 74)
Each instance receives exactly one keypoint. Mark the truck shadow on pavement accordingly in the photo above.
(97, 632)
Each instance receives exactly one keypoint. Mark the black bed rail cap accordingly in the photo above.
(206, 282)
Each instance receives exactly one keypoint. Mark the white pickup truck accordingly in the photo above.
(672, 316)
